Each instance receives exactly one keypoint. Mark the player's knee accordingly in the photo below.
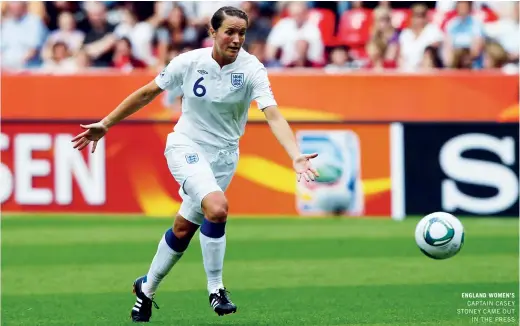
(215, 207)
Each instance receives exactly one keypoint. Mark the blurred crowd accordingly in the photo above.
(62, 37)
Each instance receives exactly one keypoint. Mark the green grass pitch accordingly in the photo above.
(79, 271)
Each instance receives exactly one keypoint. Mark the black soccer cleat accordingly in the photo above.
(142, 309)
(221, 303)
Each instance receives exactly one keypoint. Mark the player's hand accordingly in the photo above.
(93, 133)
(303, 167)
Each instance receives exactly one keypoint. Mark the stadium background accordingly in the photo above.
(435, 123)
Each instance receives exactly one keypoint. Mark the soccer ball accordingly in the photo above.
(439, 235)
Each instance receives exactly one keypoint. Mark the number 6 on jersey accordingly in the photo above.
(198, 89)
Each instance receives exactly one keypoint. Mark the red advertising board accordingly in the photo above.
(41, 172)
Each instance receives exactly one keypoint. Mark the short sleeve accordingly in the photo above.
(171, 76)
(261, 90)
(436, 34)
(477, 29)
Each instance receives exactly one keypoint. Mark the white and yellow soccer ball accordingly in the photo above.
(439, 235)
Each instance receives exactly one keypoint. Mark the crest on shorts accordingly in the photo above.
(192, 158)
(237, 79)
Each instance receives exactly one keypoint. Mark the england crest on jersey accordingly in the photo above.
(192, 158)
(237, 79)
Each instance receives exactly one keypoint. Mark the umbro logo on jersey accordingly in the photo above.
(164, 78)
(202, 72)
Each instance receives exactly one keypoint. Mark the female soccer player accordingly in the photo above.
(218, 85)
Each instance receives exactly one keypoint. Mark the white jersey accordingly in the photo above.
(216, 100)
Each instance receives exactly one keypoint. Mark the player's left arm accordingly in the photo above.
(284, 134)
(262, 94)
(282, 131)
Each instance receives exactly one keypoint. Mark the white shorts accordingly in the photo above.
(199, 170)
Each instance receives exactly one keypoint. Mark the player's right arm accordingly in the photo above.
(133, 103)
(169, 78)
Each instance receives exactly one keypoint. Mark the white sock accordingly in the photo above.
(162, 263)
(213, 250)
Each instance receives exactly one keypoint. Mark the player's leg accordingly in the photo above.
(213, 234)
(213, 245)
(169, 251)
(213, 238)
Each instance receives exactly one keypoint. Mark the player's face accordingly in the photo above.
(230, 36)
